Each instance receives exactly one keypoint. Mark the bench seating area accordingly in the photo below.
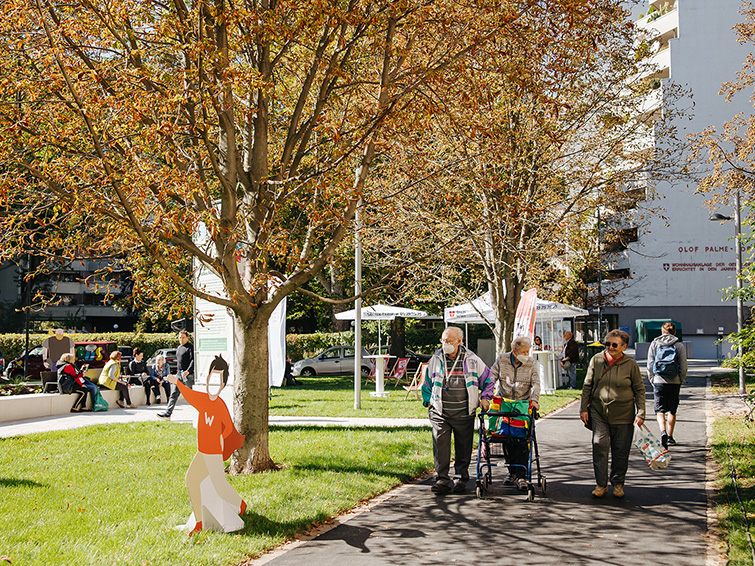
(17, 407)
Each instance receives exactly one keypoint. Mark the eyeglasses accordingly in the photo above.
(614, 344)
(450, 341)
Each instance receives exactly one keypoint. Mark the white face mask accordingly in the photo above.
(448, 348)
(522, 357)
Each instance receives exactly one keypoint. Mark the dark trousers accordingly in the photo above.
(616, 439)
(462, 428)
(175, 393)
(123, 391)
(92, 389)
(517, 457)
(81, 396)
(152, 385)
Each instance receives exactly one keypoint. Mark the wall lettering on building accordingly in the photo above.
(699, 266)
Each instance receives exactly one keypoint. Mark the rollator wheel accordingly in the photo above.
(531, 493)
(480, 492)
(543, 485)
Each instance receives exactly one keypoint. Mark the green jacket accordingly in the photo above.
(619, 394)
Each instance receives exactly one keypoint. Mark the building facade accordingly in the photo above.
(680, 260)
(82, 299)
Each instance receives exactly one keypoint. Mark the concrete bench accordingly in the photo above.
(36, 405)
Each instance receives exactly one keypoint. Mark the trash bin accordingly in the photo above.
(592, 349)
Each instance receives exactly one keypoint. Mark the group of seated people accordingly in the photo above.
(72, 380)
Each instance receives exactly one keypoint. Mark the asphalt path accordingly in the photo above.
(661, 520)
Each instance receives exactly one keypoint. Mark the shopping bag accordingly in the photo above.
(510, 426)
(99, 402)
(651, 449)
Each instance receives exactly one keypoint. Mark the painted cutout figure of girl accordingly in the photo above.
(215, 503)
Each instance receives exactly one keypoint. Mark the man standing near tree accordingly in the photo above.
(184, 372)
(667, 369)
(569, 358)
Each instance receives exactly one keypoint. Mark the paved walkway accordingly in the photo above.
(662, 519)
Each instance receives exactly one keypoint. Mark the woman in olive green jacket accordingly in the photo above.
(613, 399)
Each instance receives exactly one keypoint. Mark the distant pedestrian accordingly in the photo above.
(569, 358)
(667, 370)
(184, 371)
(613, 401)
(455, 381)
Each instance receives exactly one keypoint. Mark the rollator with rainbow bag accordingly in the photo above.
(509, 425)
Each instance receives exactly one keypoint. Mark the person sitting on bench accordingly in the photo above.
(71, 381)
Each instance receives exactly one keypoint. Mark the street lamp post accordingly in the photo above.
(740, 308)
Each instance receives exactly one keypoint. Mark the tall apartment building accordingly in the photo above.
(80, 295)
(679, 262)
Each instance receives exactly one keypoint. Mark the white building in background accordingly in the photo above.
(679, 262)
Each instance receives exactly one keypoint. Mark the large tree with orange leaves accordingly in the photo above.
(126, 126)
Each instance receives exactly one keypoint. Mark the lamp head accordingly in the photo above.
(718, 217)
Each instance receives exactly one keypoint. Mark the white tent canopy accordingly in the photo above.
(480, 311)
(382, 312)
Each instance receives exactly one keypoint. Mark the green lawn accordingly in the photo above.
(734, 444)
(323, 396)
(113, 494)
(733, 447)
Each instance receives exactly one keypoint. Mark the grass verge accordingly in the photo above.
(323, 396)
(113, 494)
(733, 447)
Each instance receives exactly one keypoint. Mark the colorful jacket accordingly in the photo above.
(516, 383)
(67, 376)
(619, 395)
(479, 381)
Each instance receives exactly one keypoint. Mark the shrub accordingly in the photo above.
(12, 345)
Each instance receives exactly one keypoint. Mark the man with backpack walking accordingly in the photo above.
(667, 368)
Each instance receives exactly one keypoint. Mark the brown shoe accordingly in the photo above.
(599, 491)
(121, 404)
(618, 490)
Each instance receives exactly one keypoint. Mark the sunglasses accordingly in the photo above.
(614, 344)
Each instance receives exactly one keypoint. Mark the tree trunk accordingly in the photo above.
(250, 395)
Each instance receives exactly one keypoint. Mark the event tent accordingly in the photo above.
(382, 312)
(480, 311)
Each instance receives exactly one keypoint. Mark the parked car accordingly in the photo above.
(170, 358)
(414, 359)
(338, 360)
(94, 354)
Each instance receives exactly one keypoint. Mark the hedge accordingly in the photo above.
(12, 345)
